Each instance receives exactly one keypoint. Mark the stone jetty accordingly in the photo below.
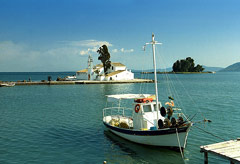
(83, 82)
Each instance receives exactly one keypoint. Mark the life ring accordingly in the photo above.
(137, 108)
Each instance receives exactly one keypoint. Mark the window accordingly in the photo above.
(154, 106)
(147, 108)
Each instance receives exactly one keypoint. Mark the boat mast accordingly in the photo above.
(153, 43)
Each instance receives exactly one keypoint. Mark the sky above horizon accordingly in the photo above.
(58, 35)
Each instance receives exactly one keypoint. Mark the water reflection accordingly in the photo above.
(119, 150)
(111, 89)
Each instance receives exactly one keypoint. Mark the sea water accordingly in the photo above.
(63, 123)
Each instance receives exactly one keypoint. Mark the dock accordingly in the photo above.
(229, 150)
(82, 82)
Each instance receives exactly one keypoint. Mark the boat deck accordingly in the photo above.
(229, 150)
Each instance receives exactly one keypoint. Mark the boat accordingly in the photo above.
(7, 84)
(70, 78)
(147, 121)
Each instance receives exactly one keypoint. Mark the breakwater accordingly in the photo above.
(81, 82)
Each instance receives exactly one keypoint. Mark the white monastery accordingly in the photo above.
(117, 71)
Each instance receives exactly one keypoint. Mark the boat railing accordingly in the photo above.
(110, 111)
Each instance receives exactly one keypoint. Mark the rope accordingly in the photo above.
(144, 86)
(180, 145)
(210, 133)
(171, 89)
(174, 91)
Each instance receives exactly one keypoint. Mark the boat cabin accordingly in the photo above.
(145, 115)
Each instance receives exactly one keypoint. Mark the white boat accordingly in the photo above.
(71, 78)
(7, 84)
(146, 122)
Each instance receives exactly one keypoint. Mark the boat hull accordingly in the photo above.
(165, 137)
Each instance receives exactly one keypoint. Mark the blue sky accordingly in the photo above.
(58, 35)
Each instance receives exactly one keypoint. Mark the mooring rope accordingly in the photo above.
(210, 133)
(180, 145)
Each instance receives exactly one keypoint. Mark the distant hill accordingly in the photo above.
(232, 68)
(212, 69)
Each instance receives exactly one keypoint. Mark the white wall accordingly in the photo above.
(125, 75)
(118, 68)
(81, 75)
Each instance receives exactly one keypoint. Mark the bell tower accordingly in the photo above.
(90, 67)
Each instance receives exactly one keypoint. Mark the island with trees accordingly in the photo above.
(185, 66)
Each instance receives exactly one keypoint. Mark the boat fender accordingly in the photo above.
(173, 122)
(167, 123)
(169, 111)
(163, 111)
(160, 124)
(180, 121)
(137, 108)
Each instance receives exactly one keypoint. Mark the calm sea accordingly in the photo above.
(63, 123)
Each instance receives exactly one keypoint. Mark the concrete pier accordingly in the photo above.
(83, 82)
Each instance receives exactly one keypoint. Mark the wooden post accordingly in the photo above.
(205, 157)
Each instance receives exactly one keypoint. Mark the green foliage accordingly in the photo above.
(186, 65)
(104, 57)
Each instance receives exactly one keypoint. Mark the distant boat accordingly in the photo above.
(148, 122)
(70, 78)
(7, 84)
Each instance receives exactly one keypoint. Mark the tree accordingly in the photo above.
(191, 64)
(186, 65)
(104, 57)
(198, 68)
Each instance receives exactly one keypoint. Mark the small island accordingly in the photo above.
(184, 66)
